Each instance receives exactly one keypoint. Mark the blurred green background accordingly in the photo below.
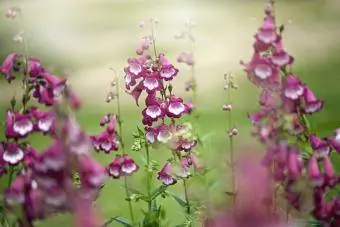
(87, 37)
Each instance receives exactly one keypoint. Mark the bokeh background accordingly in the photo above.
(84, 38)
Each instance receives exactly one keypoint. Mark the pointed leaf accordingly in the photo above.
(178, 199)
(158, 192)
(120, 220)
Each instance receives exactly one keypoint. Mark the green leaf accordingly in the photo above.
(137, 194)
(306, 122)
(120, 220)
(158, 192)
(178, 199)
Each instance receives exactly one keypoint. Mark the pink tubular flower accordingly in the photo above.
(312, 104)
(12, 153)
(329, 172)
(35, 68)
(292, 88)
(319, 145)
(92, 174)
(22, 124)
(334, 141)
(314, 172)
(165, 175)
(279, 56)
(45, 121)
(55, 83)
(115, 167)
(185, 165)
(267, 33)
(176, 107)
(105, 142)
(15, 194)
(262, 72)
(128, 165)
(8, 66)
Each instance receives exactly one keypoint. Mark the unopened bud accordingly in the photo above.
(110, 96)
(18, 38)
(232, 132)
(113, 83)
(179, 35)
(227, 107)
(142, 24)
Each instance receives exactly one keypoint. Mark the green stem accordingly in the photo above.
(186, 194)
(153, 38)
(120, 128)
(149, 174)
(231, 153)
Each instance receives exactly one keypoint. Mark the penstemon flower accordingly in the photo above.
(40, 184)
(294, 152)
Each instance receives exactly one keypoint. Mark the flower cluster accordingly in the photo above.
(294, 152)
(153, 76)
(42, 183)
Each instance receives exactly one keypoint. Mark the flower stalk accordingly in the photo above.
(232, 131)
(115, 83)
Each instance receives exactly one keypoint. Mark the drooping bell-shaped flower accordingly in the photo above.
(311, 103)
(165, 175)
(115, 167)
(335, 140)
(279, 56)
(262, 72)
(128, 165)
(294, 164)
(329, 172)
(176, 107)
(12, 153)
(267, 33)
(7, 67)
(319, 145)
(92, 173)
(293, 88)
(45, 121)
(35, 69)
(314, 174)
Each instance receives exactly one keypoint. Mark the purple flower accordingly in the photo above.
(115, 167)
(176, 107)
(15, 194)
(279, 56)
(319, 145)
(185, 165)
(330, 176)
(312, 104)
(128, 165)
(45, 121)
(168, 71)
(35, 68)
(12, 153)
(267, 33)
(105, 142)
(314, 172)
(165, 175)
(292, 88)
(262, 72)
(8, 66)
(92, 174)
(294, 164)
(335, 140)
(55, 83)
